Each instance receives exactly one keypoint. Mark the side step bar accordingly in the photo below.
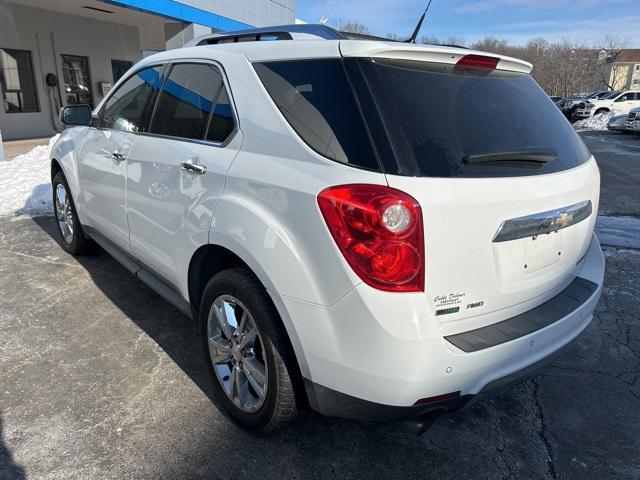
(152, 280)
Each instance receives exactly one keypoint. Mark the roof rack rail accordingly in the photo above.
(282, 32)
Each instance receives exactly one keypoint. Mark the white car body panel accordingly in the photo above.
(258, 199)
(463, 215)
(426, 53)
(400, 334)
(170, 210)
(102, 179)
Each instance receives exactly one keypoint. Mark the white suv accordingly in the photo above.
(351, 222)
(616, 102)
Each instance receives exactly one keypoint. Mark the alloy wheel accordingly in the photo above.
(64, 213)
(237, 352)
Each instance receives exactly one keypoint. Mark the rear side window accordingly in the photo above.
(221, 124)
(186, 101)
(439, 120)
(316, 99)
(125, 108)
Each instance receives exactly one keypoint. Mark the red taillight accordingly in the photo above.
(478, 61)
(378, 229)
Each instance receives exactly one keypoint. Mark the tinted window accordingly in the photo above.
(444, 121)
(186, 100)
(124, 109)
(316, 99)
(16, 78)
(221, 124)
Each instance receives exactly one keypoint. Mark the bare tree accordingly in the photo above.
(610, 48)
(352, 27)
(492, 44)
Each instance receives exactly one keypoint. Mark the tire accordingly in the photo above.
(72, 237)
(235, 389)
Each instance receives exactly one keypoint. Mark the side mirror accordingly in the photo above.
(76, 115)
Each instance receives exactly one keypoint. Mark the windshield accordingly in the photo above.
(439, 120)
(611, 95)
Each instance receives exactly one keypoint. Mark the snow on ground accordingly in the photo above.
(25, 183)
(597, 122)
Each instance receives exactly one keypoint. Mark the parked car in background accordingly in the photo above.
(632, 118)
(568, 106)
(555, 98)
(618, 123)
(632, 121)
(621, 102)
(343, 233)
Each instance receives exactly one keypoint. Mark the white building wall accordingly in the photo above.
(48, 34)
(258, 13)
(32, 29)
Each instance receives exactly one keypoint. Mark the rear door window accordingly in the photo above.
(186, 101)
(315, 97)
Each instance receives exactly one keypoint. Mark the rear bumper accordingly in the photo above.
(336, 404)
(371, 355)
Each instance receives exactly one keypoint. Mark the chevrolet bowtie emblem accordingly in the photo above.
(563, 220)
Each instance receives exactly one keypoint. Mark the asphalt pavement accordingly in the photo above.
(101, 378)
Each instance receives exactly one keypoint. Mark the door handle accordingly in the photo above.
(117, 156)
(191, 167)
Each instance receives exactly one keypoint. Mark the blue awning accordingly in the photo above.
(181, 13)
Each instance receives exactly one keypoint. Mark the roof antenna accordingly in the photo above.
(413, 37)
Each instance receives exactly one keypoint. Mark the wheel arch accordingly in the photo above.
(55, 168)
(210, 259)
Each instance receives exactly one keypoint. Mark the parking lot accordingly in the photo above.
(101, 378)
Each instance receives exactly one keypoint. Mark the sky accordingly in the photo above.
(514, 20)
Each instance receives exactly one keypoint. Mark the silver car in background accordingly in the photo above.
(618, 123)
(632, 120)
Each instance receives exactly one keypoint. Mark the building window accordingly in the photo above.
(119, 68)
(17, 81)
(77, 80)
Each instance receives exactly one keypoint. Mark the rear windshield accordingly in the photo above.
(438, 120)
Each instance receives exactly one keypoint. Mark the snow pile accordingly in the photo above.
(25, 183)
(597, 122)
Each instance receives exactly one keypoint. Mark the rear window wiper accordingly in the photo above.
(538, 158)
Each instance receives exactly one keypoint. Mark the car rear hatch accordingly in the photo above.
(509, 192)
